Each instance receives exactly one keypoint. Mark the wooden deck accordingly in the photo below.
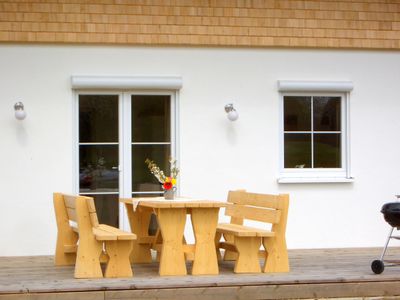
(323, 273)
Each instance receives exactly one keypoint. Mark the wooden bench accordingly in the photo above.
(82, 241)
(242, 243)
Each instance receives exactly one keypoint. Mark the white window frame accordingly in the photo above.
(317, 175)
(125, 154)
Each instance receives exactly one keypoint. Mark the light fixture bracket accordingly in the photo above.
(229, 107)
(19, 106)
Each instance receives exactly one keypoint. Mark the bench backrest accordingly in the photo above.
(258, 207)
(78, 209)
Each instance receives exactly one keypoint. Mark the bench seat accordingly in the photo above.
(241, 230)
(108, 233)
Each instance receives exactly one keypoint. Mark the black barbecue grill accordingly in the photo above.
(391, 213)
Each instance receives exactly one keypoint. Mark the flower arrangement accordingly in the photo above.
(168, 182)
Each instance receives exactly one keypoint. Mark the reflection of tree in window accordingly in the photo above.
(297, 113)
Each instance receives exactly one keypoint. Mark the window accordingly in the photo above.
(314, 137)
(312, 132)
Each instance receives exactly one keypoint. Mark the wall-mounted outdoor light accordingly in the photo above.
(231, 111)
(20, 113)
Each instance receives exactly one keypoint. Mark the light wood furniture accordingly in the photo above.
(242, 243)
(81, 239)
(171, 217)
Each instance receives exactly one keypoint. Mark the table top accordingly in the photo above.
(178, 202)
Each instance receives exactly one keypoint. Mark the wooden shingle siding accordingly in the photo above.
(371, 24)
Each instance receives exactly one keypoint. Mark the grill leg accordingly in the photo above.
(387, 243)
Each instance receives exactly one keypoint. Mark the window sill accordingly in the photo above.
(315, 180)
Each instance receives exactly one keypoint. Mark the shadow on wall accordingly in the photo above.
(21, 134)
(231, 134)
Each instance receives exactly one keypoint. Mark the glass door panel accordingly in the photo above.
(98, 154)
(98, 118)
(151, 138)
(151, 120)
(98, 168)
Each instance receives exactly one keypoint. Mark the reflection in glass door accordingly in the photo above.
(117, 132)
(99, 154)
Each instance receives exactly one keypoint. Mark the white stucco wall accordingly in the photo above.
(216, 155)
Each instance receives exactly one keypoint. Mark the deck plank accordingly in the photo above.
(318, 273)
(305, 291)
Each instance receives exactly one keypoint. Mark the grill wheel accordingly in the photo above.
(377, 266)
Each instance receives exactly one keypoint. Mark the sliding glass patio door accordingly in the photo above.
(117, 132)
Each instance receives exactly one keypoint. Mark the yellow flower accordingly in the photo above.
(173, 181)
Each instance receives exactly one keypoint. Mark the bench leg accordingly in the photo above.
(61, 258)
(119, 264)
(229, 255)
(247, 261)
(276, 259)
(88, 259)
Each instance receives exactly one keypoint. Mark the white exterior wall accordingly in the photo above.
(215, 155)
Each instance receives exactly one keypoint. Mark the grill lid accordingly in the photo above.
(391, 213)
(391, 207)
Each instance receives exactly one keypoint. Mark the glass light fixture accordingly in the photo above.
(20, 113)
(231, 111)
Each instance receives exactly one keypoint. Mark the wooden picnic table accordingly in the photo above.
(171, 217)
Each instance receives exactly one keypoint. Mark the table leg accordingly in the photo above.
(139, 221)
(204, 222)
(172, 224)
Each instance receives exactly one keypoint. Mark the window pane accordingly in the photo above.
(151, 118)
(297, 150)
(98, 118)
(142, 179)
(327, 150)
(98, 168)
(297, 113)
(326, 112)
(107, 209)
